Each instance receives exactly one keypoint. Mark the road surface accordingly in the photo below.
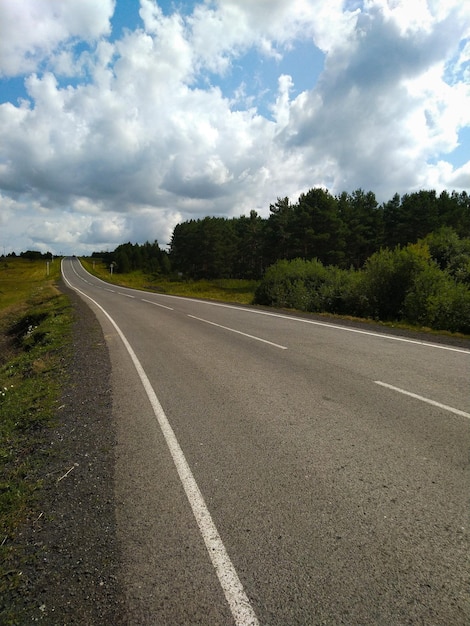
(274, 469)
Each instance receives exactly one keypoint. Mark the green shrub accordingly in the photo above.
(459, 268)
(400, 284)
(438, 300)
(426, 285)
(449, 309)
(292, 284)
(339, 293)
(387, 277)
(308, 286)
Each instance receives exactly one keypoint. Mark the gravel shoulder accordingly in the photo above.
(73, 556)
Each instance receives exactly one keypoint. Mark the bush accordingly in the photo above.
(438, 300)
(387, 277)
(451, 253)
(426, 285)
(340, 293)
(291, 284)
(308, 286)
(400, 284)
(449, 309)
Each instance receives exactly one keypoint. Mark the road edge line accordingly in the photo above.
(232, 587)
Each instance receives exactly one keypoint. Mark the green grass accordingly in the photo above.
(225, 290)
(35, 326)
(21, 278)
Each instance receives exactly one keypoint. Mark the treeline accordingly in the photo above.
(129, 257)
(31, 255)
(405, 259)
(342, 230)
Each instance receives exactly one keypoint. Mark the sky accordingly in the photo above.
(120, 119)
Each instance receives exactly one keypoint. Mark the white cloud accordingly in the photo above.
(281, 108)
(141, 139)
(382, 107)
(459, 178)
(32, 30)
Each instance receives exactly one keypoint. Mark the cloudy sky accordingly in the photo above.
(120, 118)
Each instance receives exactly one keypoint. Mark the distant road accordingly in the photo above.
(277, 470)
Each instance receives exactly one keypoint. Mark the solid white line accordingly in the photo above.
(158, 304)
(343, 328)
(293, 318)
(232, 587)
(239, 332)
(302, 320)
(423, 399)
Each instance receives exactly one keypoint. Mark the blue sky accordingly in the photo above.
(121, 118)
(301, 59)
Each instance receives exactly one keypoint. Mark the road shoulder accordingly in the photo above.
(73, 557)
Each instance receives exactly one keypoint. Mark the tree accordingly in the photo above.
(132, 257)
(185, 247)
(121, 259)
(218, 248)
(363, 225)
(278, 239)
(392, 221)
(204, 248)
(250, 232)
(33, 255)
(318, 231)
(412, 218)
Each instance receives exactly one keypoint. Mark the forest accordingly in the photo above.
(405, 259)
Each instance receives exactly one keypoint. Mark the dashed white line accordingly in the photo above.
(294, 318)
(125, 294)
(239, 332)
(423, 399)
(158, 304)
(111, 290)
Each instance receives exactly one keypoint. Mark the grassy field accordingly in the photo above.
(21, 278)
(224, 289)
(35, 326)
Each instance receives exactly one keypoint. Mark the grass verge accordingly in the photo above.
(235, 291)
(35, 327)
(223, 289)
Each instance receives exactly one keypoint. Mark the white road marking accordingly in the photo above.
(339, 327)
(158, 304)
(232, 587)
(423, 399)
(302, 320)
(125, 294)
(111, 290)
(239, 332)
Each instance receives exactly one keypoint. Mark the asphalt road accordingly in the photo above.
(278, 470)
